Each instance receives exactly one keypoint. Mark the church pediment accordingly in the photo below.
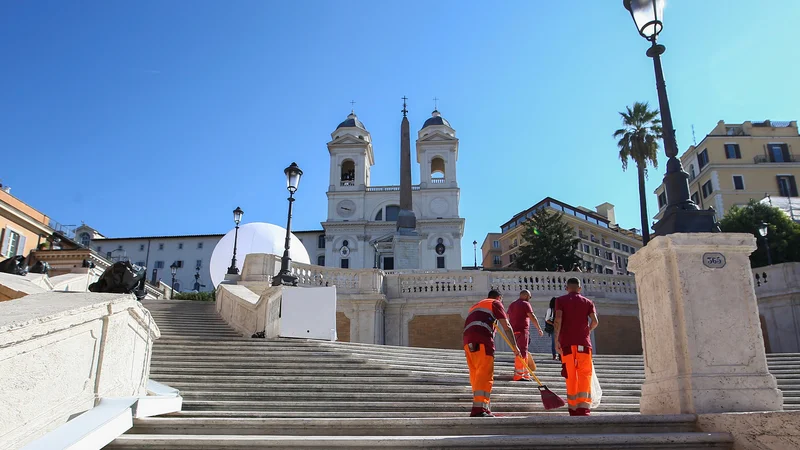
(347, 139)
(437, 136)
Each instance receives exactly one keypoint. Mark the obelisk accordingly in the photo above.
(406, 239)
(406, 220)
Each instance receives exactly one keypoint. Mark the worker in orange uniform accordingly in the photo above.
(575, 318)
(520, 314)
(479, 349)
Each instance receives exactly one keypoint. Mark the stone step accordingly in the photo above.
(339, 414)
(378, 406)
(510, 388)
(394, 397)
(266, 371)
(540, 424)
(515, 442)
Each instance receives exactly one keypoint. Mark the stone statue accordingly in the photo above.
(14, 265)
(122, 278)
(40, 267)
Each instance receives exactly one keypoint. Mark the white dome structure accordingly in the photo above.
(256, 237)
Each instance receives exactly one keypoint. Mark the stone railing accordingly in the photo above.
(777, 279)
(555, 283)
(260, 268)
(62, 352)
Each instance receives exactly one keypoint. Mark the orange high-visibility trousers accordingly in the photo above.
(579, 380)
(520, 372)
(481, 377)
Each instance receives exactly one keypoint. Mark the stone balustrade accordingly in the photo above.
(60, 353)
(395, 284)
(777, 289)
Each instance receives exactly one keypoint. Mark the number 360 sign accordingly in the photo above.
(714, 260)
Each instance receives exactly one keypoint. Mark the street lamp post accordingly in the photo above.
(285, 277)
(237, 217)
(763, 230)
(173, 269)
(681, 215)
(475, 252)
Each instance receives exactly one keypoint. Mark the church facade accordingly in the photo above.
(361, 230)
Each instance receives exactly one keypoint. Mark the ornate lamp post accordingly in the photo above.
(681, 215)
(237, 217)
(475, 252)
(173, 269)
(763, 230)
(285, 277)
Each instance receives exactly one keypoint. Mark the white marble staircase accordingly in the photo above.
(254, 393)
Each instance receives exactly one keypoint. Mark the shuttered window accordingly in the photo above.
(13, 243)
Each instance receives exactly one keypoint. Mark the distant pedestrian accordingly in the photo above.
(576, 268)
(560, 268)
(521, 316)
(572, 328)
(549, 328)
(479, 349)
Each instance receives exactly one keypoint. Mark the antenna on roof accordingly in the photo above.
(693, 136)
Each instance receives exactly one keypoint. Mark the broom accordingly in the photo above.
(549, 398)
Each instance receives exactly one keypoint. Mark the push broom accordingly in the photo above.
(549, 398)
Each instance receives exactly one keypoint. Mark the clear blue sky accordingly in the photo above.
(155, 117)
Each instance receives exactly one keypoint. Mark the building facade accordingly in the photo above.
(735, 163)
(362, 217)
(22, 227)
(604, 246)
(191, 253)
(491, 252)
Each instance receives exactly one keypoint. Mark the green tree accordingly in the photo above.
(548, 241)
(638, 140)
(783, 234)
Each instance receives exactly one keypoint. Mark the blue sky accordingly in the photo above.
(153, 117)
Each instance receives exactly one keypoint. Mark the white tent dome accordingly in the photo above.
(256, 237)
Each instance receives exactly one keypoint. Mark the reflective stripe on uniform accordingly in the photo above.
(484, 405)
(586, 395)
(479, 323)
(581, 405)
(481, 394)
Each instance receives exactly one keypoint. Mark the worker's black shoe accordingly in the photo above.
(524, 379)
(482, 414)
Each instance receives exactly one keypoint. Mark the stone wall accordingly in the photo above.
(618, 335)
(342, 327)
(777, 288)
(436, 331)
(61, 352)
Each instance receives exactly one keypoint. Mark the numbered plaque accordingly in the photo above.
(714, 260)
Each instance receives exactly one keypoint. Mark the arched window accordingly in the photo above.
(437, 170)
(86, 240)
(392, 211)
(348, 173)
(321, 260)
(379, 216)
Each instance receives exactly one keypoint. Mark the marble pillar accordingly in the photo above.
(701, 336)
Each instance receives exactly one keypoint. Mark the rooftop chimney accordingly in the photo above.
(607, 210)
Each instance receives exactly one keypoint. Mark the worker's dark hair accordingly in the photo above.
(494, 294)
(552, 303)
(574, 282)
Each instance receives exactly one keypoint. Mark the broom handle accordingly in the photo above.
(524, 360)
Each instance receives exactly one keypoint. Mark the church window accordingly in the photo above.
(437, 170)
(379, 216)
(348, 173)
(85, 239)
(321, 260)
(321, 241)
(440, 262)
(345, 263)
(392, 211)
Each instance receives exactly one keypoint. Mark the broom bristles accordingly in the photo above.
(549, 398)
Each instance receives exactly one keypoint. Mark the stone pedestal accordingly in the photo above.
(703, 348)
(406, 250)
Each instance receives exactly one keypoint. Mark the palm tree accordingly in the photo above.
(638, 140)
